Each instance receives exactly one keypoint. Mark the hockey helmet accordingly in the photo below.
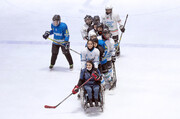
(56, 18)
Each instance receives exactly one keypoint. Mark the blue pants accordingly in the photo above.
(89, 89)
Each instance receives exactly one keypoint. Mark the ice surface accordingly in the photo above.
(148, 84)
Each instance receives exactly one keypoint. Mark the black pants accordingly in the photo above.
(55, 51)
(116, 38)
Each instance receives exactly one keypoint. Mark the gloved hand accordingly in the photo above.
(85, 38)
(96, 76)
(67, 45)
(46, 34)
(113, 59)
(122, 28)
(75, 89)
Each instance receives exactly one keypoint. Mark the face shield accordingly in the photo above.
(56, 23)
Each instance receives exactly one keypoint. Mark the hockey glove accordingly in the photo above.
(75, 89)
(96, 76)
(122, 28)
(46, 34)
(113, 58)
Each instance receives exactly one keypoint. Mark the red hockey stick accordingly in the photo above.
(53, 107)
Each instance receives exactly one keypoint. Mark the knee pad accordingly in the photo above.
(104, 71)
(109, 65)
(104, 68)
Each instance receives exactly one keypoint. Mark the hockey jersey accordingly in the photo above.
(109, 48)
(84, 31)
(60, 32)
(93, 55)
(111, 21)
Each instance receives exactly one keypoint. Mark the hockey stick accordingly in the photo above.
(53, 107)
(114, 76)
(63, 45)
(121, 34)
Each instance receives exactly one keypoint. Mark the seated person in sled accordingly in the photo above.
(93, 85)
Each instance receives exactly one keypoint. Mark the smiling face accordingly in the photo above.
(88, 66)
(90, 44)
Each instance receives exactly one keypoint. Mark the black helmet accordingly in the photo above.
(56, 18)
(88, 17)
(105, 30)
(100, 25)
(96, 19)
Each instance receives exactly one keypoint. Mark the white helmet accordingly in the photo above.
(108, 7)
(91, 33)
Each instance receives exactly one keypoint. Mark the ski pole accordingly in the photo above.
(63, 45)
(53, 107)
(121, 34)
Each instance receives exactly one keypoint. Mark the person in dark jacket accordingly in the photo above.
(92, 85)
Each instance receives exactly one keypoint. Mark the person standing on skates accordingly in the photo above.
(61, 36)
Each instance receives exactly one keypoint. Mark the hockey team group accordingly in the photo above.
(97, 58)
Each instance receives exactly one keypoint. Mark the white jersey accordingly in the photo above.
(84, 31)
(90, 55)
(110, 44)
(99, 37)
(111, 49)
(111, 21)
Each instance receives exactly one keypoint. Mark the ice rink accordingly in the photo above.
(148, 70)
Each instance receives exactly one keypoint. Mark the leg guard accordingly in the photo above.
(116, 44)
(109, 66)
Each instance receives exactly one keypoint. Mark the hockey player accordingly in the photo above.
(93, 28)
(92, 35)
(111, 20)
(92, 85)
(88, 22)
(101, 50)
(90, 53)
(109, 54)
(61, 35)
(96, 19)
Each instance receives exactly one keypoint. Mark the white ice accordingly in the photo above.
(148, 70)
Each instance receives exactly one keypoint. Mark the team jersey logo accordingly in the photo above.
(67, 33)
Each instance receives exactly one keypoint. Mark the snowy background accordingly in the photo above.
(148, 84)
